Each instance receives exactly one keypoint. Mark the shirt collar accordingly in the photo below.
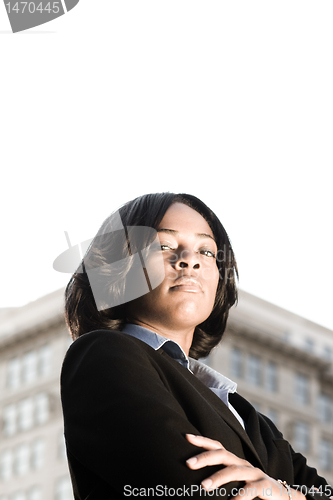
(217, 382)
(210, 377)
(156, 341)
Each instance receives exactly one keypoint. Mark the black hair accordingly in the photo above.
(81, 312)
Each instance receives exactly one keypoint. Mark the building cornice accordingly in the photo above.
(281, 347)
(31, 331)
(41, 315)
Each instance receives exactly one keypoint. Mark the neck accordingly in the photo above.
(182, 337)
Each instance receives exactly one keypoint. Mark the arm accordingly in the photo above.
(305, 477)
(257, 483)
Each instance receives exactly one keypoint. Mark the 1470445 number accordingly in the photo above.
(31, 7)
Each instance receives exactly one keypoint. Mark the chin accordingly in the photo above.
(191, 314)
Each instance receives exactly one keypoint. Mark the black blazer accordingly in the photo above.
(127, 409)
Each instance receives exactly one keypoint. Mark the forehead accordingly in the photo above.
(183, 219)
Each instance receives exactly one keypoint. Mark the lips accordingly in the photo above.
(187, 284)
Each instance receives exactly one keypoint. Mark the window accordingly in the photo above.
(301, 441)
(328, 353)
(271, 379)
(42, 408)
(25, 414)
(64, 489)
(309, 345)
(22, 459)
(37, 453)
(236, 367)
(29, 367)
(13, 373)
(326, 454)
(9, 418)
(325, 408)
(33, 364)
(287, 337)
(25, 456)
(6, 465)
(273, 415)
(254, 369)
(302, 389)
(44, 366)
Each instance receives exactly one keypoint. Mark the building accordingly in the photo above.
(33, 342)
(281, 362)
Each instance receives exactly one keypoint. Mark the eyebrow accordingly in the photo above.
(172, 231)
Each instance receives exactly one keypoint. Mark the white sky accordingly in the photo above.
(229, 101)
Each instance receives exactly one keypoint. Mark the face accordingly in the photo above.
(186, 296)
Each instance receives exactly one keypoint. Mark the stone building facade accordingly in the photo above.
(281, 362)
(33, 342)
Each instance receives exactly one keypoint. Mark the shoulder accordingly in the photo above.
(105, 341)
(106, 350)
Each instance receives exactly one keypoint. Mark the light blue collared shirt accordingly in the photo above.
(218, 383)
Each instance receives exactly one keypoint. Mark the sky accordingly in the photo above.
(228, 101)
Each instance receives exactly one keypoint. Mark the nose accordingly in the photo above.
(187, 259)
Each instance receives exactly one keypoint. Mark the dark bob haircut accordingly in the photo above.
(81, 312)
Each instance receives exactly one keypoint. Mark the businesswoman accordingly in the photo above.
(143, 416)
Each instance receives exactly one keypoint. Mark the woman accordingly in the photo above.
(143, 417)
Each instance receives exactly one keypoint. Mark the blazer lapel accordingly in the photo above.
(250, 416)
(218, 406)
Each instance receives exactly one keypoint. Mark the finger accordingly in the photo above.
(254, 489)
(204, 442)
(233, 473)
(216, 457)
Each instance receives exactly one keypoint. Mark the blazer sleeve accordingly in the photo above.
(121, 421)
(305, 477)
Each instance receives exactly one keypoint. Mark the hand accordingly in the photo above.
(257, 483)
(317, 489)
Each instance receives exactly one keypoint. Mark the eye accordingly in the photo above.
(208, 253)
(166, 247)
